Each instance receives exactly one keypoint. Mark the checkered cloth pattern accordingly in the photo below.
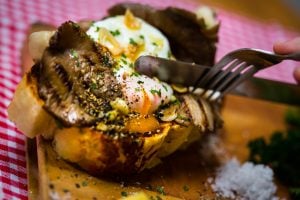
(16, 17)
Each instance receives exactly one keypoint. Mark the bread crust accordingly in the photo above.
(27, 112)
(95, 151)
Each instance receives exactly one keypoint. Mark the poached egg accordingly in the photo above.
(128, 37)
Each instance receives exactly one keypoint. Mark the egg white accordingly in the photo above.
(156, 43)
(136, 87)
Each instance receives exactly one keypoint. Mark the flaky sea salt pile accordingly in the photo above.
(245, 182)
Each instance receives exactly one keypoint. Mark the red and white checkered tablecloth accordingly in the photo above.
(17, 15)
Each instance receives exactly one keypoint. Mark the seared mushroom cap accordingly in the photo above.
(75, 77)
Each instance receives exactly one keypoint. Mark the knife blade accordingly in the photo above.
(169, 70)
(187, 74)
(269, 90)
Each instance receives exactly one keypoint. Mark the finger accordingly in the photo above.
(287, 47)
(297, 75)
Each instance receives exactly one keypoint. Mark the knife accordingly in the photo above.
(187, 74)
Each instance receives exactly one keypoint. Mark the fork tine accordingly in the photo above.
(205, 78)
(231, 76)
(217, 79)
(223, 78)
(223, 73)
(228, 79)
(239, 79)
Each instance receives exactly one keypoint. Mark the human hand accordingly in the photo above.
(287, 47)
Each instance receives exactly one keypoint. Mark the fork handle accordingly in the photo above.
(292, 56)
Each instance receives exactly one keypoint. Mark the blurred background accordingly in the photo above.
(286, 12)
(258, 24)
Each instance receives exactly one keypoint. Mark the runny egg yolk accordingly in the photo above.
(126, 43)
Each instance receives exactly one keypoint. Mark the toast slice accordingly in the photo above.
(27, 112)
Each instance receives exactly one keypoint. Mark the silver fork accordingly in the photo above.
(236, 67)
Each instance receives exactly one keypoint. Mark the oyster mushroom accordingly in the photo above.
(74, 77)
(195, 111)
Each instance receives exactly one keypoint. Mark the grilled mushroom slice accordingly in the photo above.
(75, 79)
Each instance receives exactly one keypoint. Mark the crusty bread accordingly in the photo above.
(27, 112)
(93, 150)
(100, 153)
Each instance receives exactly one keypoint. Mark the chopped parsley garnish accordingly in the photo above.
(73, 53)
(184, 118)
(123, 55)
(76, 26)
(93, 86)
(131, 65)
(116, 32)
(165, 87)
(97, 29)
(280, 152)
(135, 74)
(175, 102)
(131, 41)
(155, 198)
(161, 190)
(137, 89)
(158, 92)
(84, 183)
(142, 37)
(154, 43)
(185, 188)
(140, 82)
(106, 60)
(124, 61)
(124, 194)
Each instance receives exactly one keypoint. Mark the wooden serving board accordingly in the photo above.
(183, 175)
